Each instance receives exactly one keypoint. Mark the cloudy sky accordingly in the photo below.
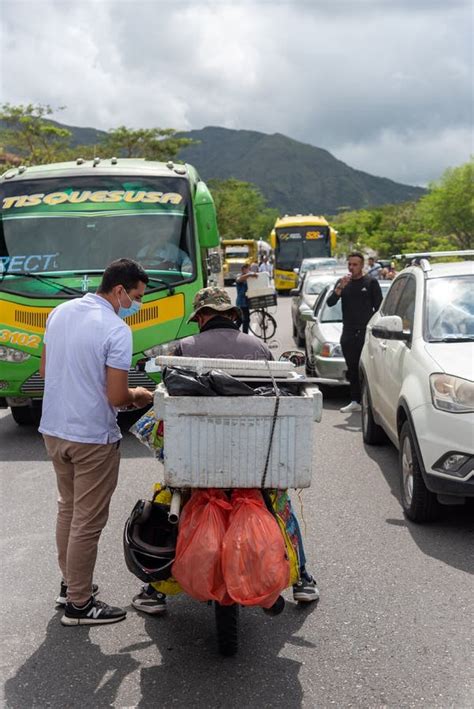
(385, 85)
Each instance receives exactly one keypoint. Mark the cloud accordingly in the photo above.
(383, 83)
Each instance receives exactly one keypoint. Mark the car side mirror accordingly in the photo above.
(307, 315)
(294, 292)
(296, 357)
(390, 327)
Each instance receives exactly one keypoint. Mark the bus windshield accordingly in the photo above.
(296, 243)
(237, 251)
(60, 226)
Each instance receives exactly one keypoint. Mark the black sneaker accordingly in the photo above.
(150, 601)
(93, 613)
(61, 600)
(305, 590)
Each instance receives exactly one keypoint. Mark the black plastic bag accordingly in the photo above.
(184, 382)
(270, 391)
(224, 384)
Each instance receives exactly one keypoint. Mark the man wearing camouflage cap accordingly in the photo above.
(219, 333)
(219, 337)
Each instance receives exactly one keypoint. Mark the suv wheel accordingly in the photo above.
(419, 504)
(372, 433)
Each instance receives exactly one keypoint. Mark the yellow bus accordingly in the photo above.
(294, 238)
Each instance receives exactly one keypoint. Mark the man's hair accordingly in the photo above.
(122, 272)
(356, 253)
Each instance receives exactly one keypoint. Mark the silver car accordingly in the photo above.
(322, 337)
(304, 297)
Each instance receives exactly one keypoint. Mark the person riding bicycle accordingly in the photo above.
(220, 337)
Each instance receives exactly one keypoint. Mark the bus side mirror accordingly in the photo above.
(206, 221)
(214, 262)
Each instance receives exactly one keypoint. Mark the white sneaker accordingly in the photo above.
(353, 406)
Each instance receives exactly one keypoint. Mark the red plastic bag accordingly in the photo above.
(254, 560)
(197, 567)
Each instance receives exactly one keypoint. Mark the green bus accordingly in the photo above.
(62, 224)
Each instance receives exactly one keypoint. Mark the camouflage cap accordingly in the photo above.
(213, 297)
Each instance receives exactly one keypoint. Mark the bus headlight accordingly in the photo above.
(8, 354)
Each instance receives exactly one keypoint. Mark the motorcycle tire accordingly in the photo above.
(227, 626)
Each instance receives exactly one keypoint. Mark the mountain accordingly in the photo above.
(293, 176)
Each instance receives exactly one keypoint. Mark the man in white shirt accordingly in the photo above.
(265, 266)
(85, 362)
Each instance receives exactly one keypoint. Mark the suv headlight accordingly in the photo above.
(331, 349)
(8, 354)
(450, 393)
(166, 349)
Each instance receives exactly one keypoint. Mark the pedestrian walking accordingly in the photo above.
(265, 266)
(242, 300)
(361, 297)
(85, 363)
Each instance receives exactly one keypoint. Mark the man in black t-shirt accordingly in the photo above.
(361, 297)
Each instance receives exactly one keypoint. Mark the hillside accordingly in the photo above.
(294, 177)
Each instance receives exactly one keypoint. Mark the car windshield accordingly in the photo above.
(314, 286)
(333, 313)
(449, 314)
(237, 251)
(320, 263)
(61, 226)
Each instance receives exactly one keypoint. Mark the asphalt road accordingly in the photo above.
(393, 627)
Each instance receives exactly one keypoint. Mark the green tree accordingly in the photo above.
(27, 132)
(241, 210)
(150, 143)
(448, 208)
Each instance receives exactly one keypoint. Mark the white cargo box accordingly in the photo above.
(223, 441)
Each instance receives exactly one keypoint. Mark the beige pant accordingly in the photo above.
(87, 477)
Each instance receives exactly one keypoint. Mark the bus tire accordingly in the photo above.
(24, 416)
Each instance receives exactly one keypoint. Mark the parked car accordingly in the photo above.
(322, 336)
(417, 371)
(304, 298)
(321, 263)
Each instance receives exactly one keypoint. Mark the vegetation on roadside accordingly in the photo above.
(442, 219)
(28, 132)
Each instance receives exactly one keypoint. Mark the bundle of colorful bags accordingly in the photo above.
(232, 550)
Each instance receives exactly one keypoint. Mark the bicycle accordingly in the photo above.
(262, 324)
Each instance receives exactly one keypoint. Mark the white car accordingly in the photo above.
(417, 371)
(322, 337)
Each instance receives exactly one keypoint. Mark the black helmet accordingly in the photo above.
(149, 542)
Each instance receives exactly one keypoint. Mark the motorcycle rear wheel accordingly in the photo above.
(227, 626)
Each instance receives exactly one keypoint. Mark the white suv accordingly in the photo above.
(417, 371)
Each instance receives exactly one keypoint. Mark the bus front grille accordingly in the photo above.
(35, 384)
(32, 318)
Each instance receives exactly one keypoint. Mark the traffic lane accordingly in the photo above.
(374, 638)
(413, 572)
(142, 661)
